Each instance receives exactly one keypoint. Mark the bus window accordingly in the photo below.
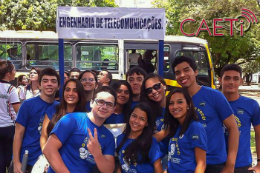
(12, 52)
(166, 60)
(47, 55)
(97, 57)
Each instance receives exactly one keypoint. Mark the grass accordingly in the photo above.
(252, 142)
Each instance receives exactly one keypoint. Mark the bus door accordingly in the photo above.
(141, 54)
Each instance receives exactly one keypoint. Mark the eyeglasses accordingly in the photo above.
(87, 79)
(109, 105)
(155, 87)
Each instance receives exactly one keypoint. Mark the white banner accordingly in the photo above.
(110, 23)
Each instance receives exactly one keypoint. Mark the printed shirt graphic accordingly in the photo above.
(115, 119)
(247, 112)
(212, 109)
(31, 116)
(72, 132)
(8, 96)
(181, 149)
(154, 154)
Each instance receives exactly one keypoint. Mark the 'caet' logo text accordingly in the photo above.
(237, 23)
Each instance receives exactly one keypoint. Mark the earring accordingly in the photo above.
(188, 108)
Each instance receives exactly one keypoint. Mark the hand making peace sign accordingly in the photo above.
(93, 144)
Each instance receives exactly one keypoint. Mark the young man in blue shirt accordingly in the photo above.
(247, 112)
(213, 111)
(79, 141)
(30, 118)
(135, 77)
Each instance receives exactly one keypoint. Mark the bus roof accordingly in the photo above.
(50, 35)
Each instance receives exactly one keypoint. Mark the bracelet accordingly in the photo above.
(258, 160)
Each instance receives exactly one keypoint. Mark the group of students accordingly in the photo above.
(192, 129)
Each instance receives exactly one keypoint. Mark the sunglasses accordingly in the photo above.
(155, 87)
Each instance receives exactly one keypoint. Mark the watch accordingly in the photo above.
(258, 160)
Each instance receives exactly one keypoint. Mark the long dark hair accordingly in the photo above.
(61, 109)
(171, 122)
(157, 109)
(127, 107)
(142, 144)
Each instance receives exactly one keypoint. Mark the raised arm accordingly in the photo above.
(105, 163)
(159, 136)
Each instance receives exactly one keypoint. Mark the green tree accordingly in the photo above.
(39, 15)
(226, 49)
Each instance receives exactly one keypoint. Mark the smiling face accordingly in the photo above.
(122, 95)
(135, 82)
(88, 81)
(185, 75)
(157, 92)
(70, 94)
(103, 111)
(138, 120)
(230, 81)
(178, 106)
(49, 85)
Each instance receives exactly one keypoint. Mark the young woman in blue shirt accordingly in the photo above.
(137, 150)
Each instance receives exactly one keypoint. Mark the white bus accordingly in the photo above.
(27, 49)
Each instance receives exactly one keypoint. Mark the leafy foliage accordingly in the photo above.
(226, 49)
(38, 15)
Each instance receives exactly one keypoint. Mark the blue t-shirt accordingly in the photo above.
(134, 103)
(30, 116)
(154, 154)
(52, 110)
(159, 123)
(88, 106)
(181, 150)
(246, 111)
(115, 119)
(212, 109)
(72, 132)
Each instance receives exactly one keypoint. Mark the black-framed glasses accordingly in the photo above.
(155, 87)
(101, 102)
(87, 79)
